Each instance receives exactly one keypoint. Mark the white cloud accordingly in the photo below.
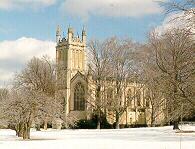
(111, 8)
(17, 4)
(5, 75)
(168, 23)
(178, 20)
(14, 54)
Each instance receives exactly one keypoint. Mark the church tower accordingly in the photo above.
(71, 54)
(70, 51)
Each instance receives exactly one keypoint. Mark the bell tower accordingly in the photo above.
(71, 54)
(70, 51)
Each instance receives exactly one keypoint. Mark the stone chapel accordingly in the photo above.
(71, 53)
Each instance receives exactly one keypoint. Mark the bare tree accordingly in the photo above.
(18, 111)
(185, 7)
(174, 56)
(178, 6)
(155, 102)
(121, 74)
(39, 76)
(150, 76)
(99, 69)
(3, 97)
(32, 97)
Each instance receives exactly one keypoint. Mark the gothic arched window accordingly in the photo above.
(129, 97)
(138, 96)
(147, 96)
(79, 97)
(110, 97)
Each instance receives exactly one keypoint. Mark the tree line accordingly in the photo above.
(165, 65)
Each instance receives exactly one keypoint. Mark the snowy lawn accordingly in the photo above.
(133, 138)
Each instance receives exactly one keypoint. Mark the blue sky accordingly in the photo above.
(27, 27)
(41, 23)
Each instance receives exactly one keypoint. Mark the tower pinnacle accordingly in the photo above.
(84, 35)
(58, 34)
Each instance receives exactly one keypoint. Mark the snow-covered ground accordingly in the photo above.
(133, 138)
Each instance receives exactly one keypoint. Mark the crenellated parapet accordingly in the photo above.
(70, 38)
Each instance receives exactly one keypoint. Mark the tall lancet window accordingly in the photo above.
(129, 98)
(79, 97)
(138, 95)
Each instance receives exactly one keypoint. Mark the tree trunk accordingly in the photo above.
(175, 125)
(26, 131)
(17, 133)
(98, 106)
(20, 129)
(17, 130)
(98, 124)
(175, 90)
(117, 121)
(38, 128)
(152, 117)
(99, 119)
(45, 124)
